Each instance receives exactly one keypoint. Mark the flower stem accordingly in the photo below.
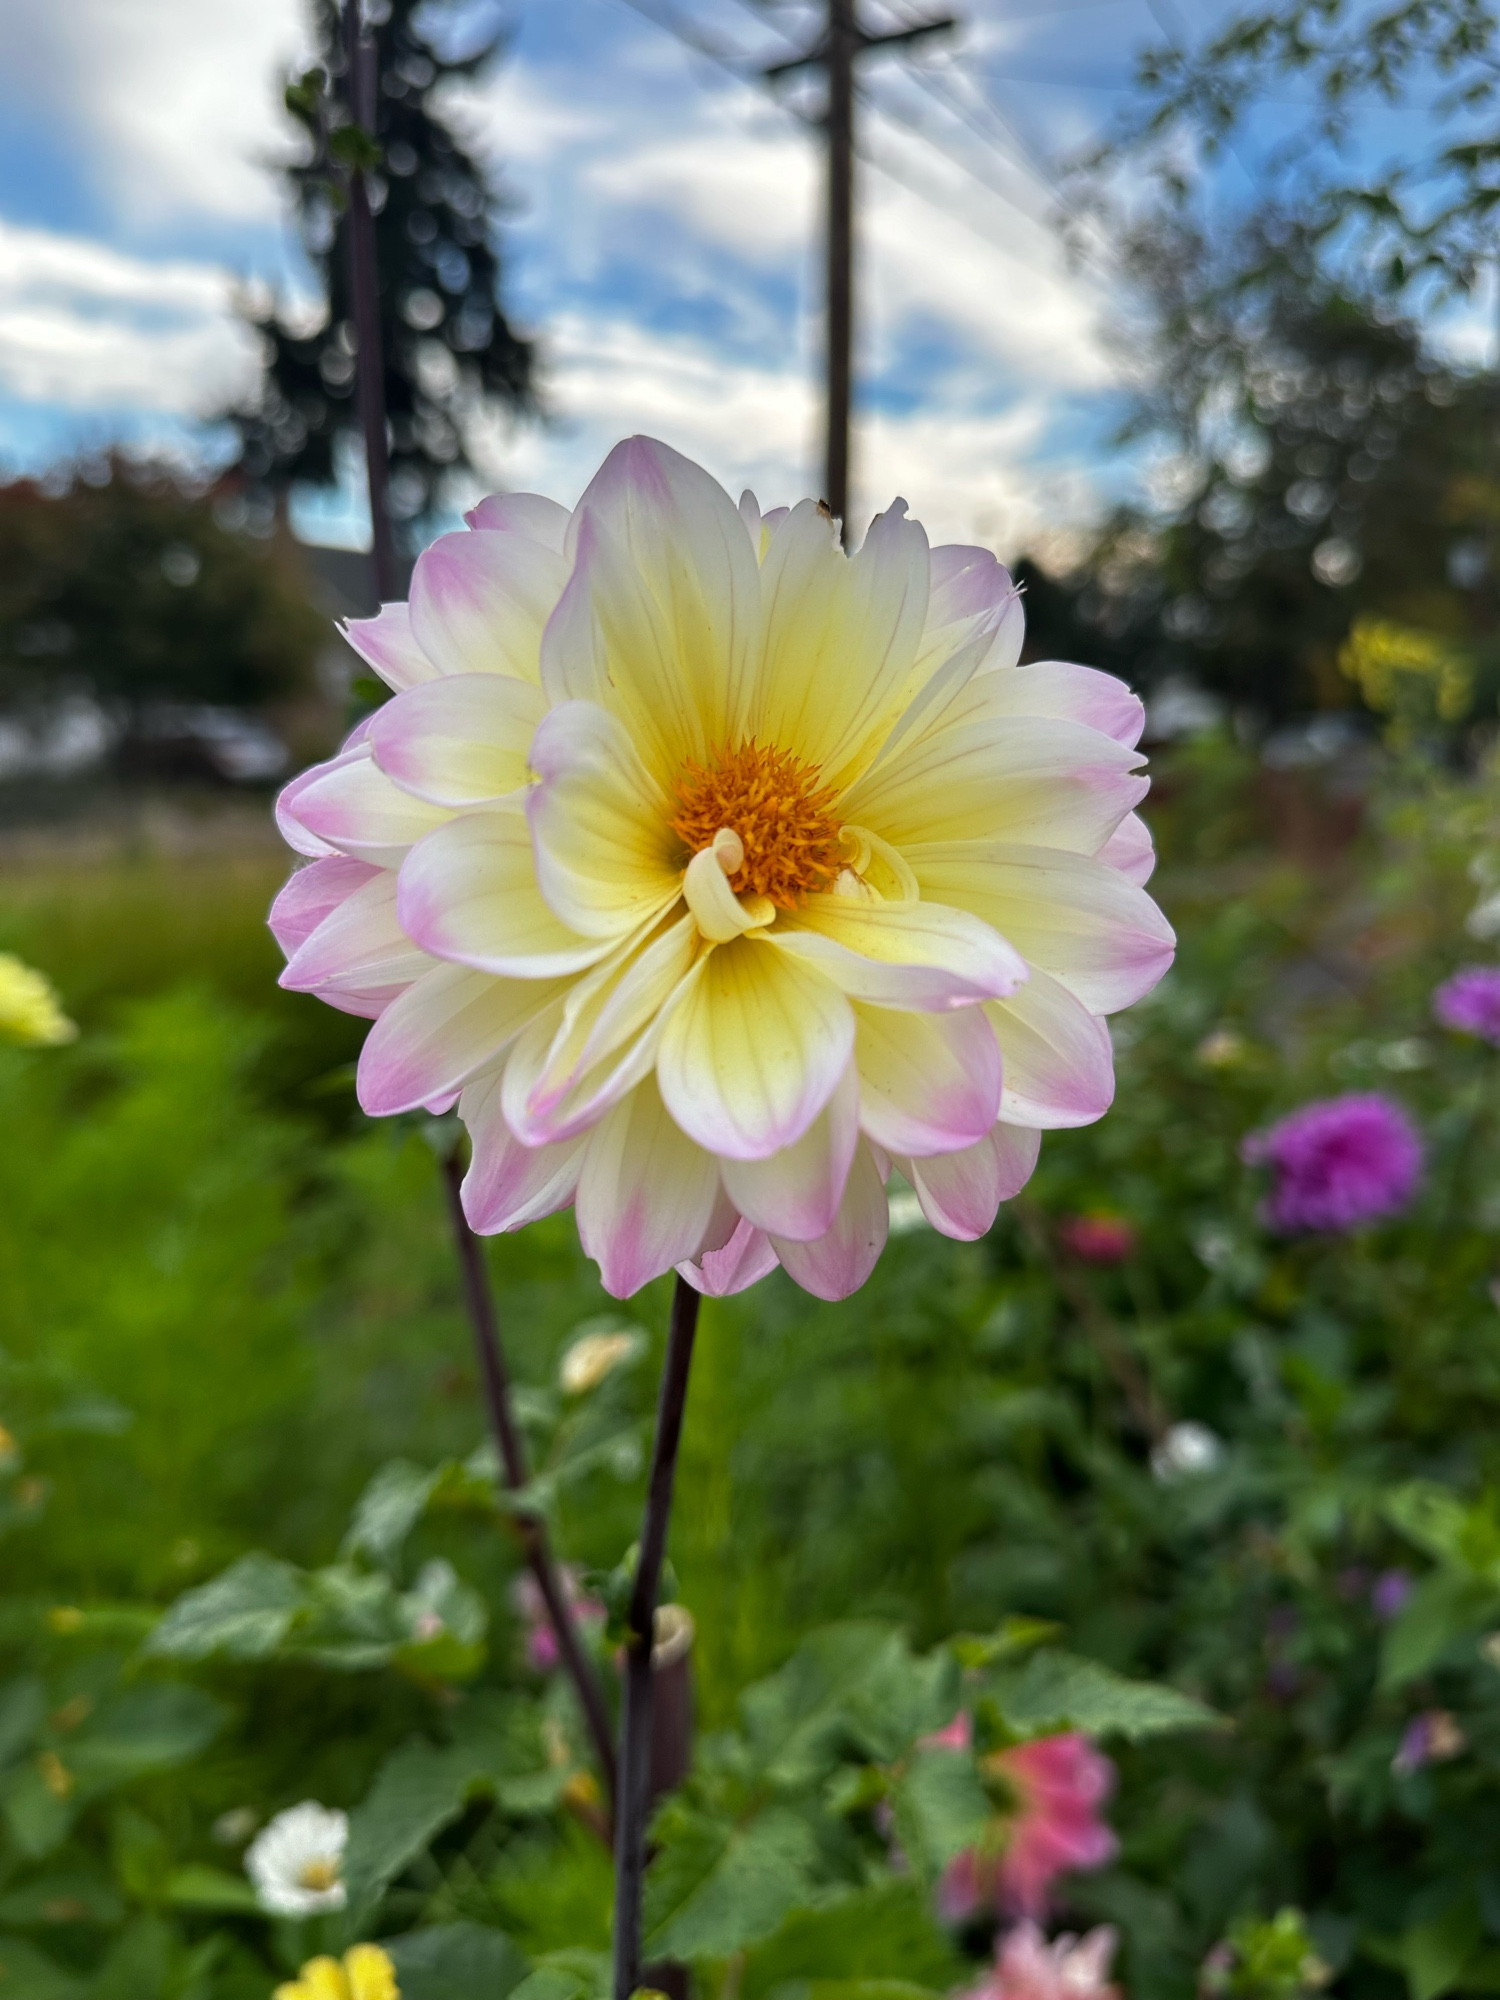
(512, 1449)
(634, 1795)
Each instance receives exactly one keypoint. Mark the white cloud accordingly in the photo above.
(90, 328)
(171, 104)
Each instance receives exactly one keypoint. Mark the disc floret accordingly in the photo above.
(775, 803)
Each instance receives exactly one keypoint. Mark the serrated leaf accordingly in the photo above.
(858, 1937)
(449, 1960)
(1057, 1690)
(941, 1808)
(245, 1614)
(716, 1887)
(567, 1975)
(850, 1687)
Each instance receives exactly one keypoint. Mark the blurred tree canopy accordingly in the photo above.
(448, 346)
(123, 586)
(1324, 472)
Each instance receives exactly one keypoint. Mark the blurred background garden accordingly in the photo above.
(1192, 317)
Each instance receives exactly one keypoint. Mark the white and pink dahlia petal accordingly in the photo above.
(359, 948)
(646, 1196)
(796, 1193)
(1067, 914)
(928, 1083)
(1130, 851)
(508, 1184)
(311, 893)
(387, 643)
(480, 601)
(289, 823)
(838, 1262)
(1069, 693)
(459, 741)
(468, 892)
(527, 514)
(448, 1027)
(970, 587)
(354, 808)
(1059, 1063)
(754, 1049)
(961, 1193)
(745, 1259)
(922, 955)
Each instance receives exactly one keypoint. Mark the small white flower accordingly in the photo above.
(592, 1356)
(1187, 1449)
(296, 1864)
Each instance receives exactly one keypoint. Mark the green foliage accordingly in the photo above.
(126, 588)
(246, 1492)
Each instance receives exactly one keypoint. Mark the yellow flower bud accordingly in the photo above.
(29, 1009)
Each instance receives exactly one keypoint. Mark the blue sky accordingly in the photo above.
(664, 246)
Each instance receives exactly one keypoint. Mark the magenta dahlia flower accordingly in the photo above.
(713, 873)
(1060, 1783)
(1470, 1002)
(1337, 1163)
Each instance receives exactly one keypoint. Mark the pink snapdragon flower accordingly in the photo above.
(716, 873)
(1337, 1163)
(1470, 1003)
(1060, 1784)
(1027, 1967)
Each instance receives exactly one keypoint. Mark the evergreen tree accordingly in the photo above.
(447, 343)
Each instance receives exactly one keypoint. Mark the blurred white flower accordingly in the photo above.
(1186, 1450)
(906, 1212)
(297, 1863)
(593, 1356)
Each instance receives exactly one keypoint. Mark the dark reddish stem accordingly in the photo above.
(634, 1795)
(512, 1449)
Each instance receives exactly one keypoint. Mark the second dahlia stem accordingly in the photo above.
(633, 1798)
(513, 1468)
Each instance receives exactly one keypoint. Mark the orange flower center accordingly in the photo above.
(774, 802)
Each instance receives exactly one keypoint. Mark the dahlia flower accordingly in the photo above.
(713, 873)
(1338, 1162)
(365, 1973)
(296, 1862)
(1027, 1967)
(1470, 1002)
(1060, 1783)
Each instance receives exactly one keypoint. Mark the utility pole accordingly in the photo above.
(364, 285)
(843, 40)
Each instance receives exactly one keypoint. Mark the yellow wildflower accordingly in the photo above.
(1393, 664)
(366, 1973)
(29, 1009)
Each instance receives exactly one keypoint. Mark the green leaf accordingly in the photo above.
(198, 1887)
(1057, 1690)
(1434, 1953)
(144, 1729)
(858, 1937)
(245, 1614)
(23, 1704)
(567, 1975)
(63, 1896)
(449, 1960)
(36, 1813)
(419, 1790)
(715, 1887)
(388, 1509)
(851, 1687)
(1445, 1606)
(941, 1807)
(28, 1974)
